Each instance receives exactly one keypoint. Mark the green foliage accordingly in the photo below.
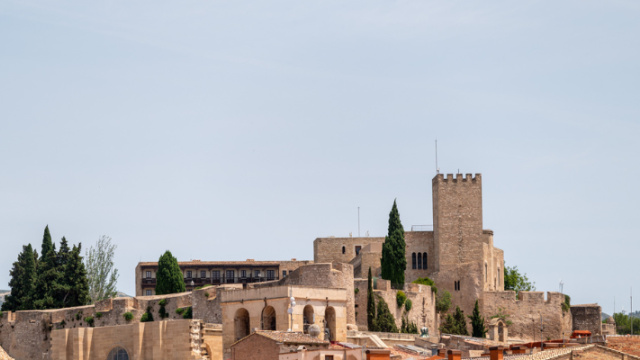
(371, 304)
(78, 316)
(162, 302)
(566, 305)
(513, 280)
(74, 287)
(98, 315)
(63, 323)
(23, 278)
(163, 311)
(89, 320)
(356, 291)
(428, 282)
(393, 262)
(169, 279)
(207, 294)
(408, 305)
(147, 316)
(385, 321)
(401, 297)
(443, 302)
(502, 316)
(128, 316)
(455, 324)
(408, 327)
(623, 323)
(477, 323)
(179, 311)
(188, 313)
(101, 274)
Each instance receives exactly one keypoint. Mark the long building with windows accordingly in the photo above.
(198, 273)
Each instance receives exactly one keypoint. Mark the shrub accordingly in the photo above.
(384, 320)
(78, 316)
(63, 323)
(98, 315)
(566, 305)
(180, 311)
(206, 294)
(89, 320)
(147, 316)
(443, 302)
(128, 316)
(188, 314)
(162, 302)
(408, 304)
(356, 291)
(401, 297)
(428, 282)
(163, 311)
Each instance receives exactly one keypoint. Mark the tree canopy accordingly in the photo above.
(101, 274)
(394, 261)
(22, 283)
(169, 279)
(455, 324)
(513, 280)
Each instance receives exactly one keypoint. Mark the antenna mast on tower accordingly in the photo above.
(437, 168)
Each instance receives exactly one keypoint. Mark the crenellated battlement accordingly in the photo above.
(455, 178)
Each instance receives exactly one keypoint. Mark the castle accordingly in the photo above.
(330, 291)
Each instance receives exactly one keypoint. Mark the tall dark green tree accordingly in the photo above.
(371, 304)
(385, 322)
(169, 278)
(47, 244)
(74, 287)
(461, 322)
(49, 276)
(455, 324)
(23, 278)
(477, 323)
(393, 261)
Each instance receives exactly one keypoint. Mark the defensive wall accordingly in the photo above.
(587, 317)
(422, 311)
(524, 313)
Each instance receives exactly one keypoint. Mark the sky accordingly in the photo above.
(228, 130)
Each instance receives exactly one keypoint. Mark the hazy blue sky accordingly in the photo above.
(227, 130)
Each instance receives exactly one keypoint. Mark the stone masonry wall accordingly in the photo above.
(525, 313)
(587, 317)
(326, 250)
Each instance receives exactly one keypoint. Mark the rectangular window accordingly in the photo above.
(271, 274)
(215, 274)
(148, 274)
(149, 293)
(257, 273)
(189, 274)
(284, 273)
(243, 274)
(358, 250)
(203, 274)
(328, 357)
(231, 276)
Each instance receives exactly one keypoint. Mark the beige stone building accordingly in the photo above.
(198, 273)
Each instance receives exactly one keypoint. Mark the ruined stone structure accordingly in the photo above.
(587, 317)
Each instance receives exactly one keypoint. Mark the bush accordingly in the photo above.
(356, 291)
(407, 305)
(89, 320)
(206, 294)
(99, 315)
(162, 302)
(426, 281)
(180, 311)
(79, 316)
(384, 321)
(128, 316)
(148, 316)
(63, 323)
(401, 297)
(443, 302)
(566, 305)
(188, 314)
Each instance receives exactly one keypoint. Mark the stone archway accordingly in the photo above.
(118, 353)
(269, 318)
(241, 323)
(308, 318)
(330, 324)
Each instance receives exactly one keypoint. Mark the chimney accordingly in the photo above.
(454, 355)
(496, 352)
(442, 353)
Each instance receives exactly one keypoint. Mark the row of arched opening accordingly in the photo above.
(268, 321)
(419, 260)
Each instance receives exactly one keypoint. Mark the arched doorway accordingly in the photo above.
(330, 324)
(241, 323)
(118, 353)
(308, 318)
(269, 318)
(501, 336)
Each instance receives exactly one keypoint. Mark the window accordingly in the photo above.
(424, 261)
(118, 353)
(456, 285)
(215, 274)
(419, 261)
(330, 357)
(230, 276)
(271, 274)
(413, 261)
(486, 272)
(358, 247)
(284, 273)
(189, 274)
(203, 274)
(257, 273)
(148, 274)
(243, 273)
(344, 249)
(149, 293)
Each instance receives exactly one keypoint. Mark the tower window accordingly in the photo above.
(358, 247)
(456, 285)
(413, 260)
(419, 261)
(344, 249)
(424, 261)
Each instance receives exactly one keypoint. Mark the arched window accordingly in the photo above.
(486, 272)
(269, 318)
(413, 260)
(330, 324)
(241, 323)
(344, 249)
(424, 261)
(308, 318)
(118, 353)
(419, 261)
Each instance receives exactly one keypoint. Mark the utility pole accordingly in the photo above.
(358, 221)
(631, 311)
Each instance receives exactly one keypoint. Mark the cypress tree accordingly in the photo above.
(74, 283)
(460, 322)
(371, 304)
(22, 283)
(394, 262)
(47, 244)
(48, 280)
(384, 320)
(477, 323)
(169, 278)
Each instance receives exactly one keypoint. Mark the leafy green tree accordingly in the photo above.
(371, 304)
(513, 280)
(169, 279)
(443, 302)
(22, 283)
(394, 261)
(101, 274)
(477, 323)
(449, 326)
(385, 322)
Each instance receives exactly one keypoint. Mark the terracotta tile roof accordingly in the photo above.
(291, 337)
